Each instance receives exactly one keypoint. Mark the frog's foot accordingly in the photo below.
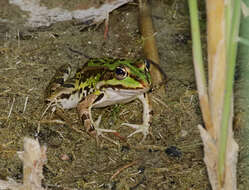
(143, 128)
(99, 132)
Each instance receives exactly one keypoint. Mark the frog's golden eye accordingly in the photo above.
(120, 73)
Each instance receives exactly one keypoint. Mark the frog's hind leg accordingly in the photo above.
(60, 77)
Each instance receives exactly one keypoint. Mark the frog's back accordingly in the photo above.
(95, 70)
(95, 66)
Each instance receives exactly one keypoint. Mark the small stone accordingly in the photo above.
(173, 151)
(184, 133)
(64, 157)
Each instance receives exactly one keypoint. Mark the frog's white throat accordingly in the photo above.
(117, 96)
(109, 96)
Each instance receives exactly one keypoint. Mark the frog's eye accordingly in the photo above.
(120, 73)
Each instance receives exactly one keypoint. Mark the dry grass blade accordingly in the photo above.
(123, 168)
(199, 68)
(11, 107)
(216, 59)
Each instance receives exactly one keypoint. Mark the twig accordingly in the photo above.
(57, 121)
(106, 26)
(149, 43)
(157, 100)
(123, 168)
(11, 108)
(25, 104)
(49, 105)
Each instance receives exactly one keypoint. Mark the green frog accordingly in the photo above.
(100, 83)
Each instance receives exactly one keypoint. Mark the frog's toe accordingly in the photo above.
(97, 122)
(99, 132)
(144, 129)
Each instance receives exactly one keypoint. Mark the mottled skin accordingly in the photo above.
(100, 83)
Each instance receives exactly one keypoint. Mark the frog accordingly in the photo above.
(102, 82)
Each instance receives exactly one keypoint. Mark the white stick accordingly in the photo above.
(11, 107)
(25, 104)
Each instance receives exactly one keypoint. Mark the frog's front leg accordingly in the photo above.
(142, 128)
(84, 110)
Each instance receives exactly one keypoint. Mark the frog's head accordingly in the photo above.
(123, 74)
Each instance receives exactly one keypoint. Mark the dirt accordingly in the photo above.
(170, 158)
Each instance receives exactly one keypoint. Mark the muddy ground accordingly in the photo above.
(28, 60)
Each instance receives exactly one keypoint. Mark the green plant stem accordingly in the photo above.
(231, 50)
(242, 99)
(195, 29)
(198, 65)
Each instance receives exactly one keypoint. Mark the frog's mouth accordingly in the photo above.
(111, 96)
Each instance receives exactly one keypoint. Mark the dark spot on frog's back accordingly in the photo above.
(87, 89)
(80, 91)
(65, 96)
(99, 98)
(65, 70)
(68, 85)
(59, 80)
